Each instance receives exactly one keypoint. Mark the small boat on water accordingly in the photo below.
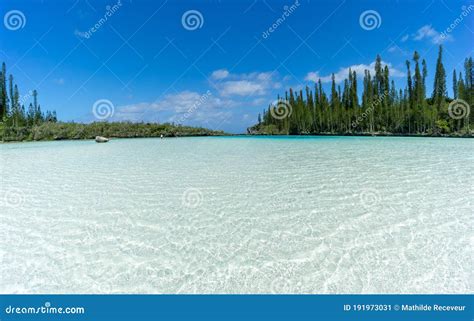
(101, 139)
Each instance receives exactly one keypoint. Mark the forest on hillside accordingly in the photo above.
(381, 109)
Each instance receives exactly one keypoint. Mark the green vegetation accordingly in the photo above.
(59, 131)
(19, 124)
(13, 114)
(383, 109)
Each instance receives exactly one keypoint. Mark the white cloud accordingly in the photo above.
(261, 101)
(220, 74)
(405, 38)
(242, 88)
(252, 84)
(80, 34)
(312, 76)
(182, 107)
(59, 81)
(397, 49)
(230, 92)
(429, 33)
(344, 72)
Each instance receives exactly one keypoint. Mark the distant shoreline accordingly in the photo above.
(55, 131)
(243, 135)
(111, 138)
(371, 135)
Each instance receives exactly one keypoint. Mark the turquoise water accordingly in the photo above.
(238, 215)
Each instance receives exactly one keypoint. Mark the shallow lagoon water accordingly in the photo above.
(238, 215)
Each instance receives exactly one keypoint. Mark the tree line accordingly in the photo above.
(12, 106)
(381, 109)
(18, 123)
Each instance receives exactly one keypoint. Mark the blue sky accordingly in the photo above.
(151, 63)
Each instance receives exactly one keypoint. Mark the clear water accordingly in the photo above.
(238, 215)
